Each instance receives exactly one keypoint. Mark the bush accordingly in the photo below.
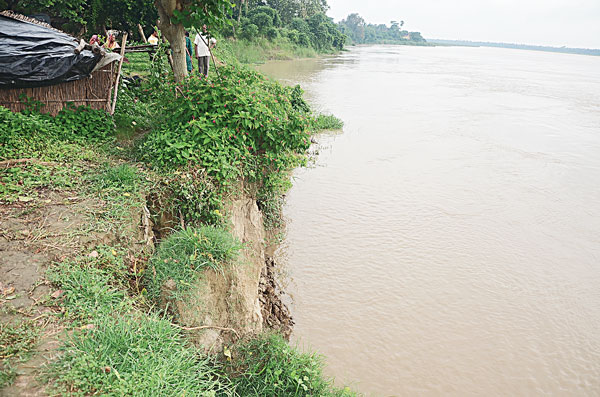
(84, 125)
(249, 32)
(186, 252)
(272, 33)
(262, 21)
(328, 122)
(239, 125)
(24, 135)
(304, 39)
(272, 13)
(293, 35)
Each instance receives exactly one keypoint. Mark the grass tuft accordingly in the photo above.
(16, 342)
(327, 122)
(186, 252)
(134, 355)
(91, 286)
(120, 177)
(268, 366)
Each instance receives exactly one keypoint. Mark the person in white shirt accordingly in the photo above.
(201, 45)
(153, 39)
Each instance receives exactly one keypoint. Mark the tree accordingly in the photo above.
(176, 15)
(271, 12)
(356, 26)
(308, 8)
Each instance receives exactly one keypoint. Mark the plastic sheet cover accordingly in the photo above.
(34, 56)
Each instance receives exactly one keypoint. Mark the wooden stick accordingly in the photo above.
(114, 104)
(142, 33)
(13, 162)
(110, 85)
(206, 327)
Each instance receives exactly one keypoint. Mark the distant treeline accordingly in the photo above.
(302, 22)
(360, 32)
(567, 50)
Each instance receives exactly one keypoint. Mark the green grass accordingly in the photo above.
(186, 252)
(134, 355)
(122, 177)
(92, 286)
(260, 50)
(328, 122)
(139, 64)
(268, 366)
(16, 342)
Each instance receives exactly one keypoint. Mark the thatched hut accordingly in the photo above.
(39, 63)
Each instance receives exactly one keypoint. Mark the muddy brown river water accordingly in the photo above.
(448, 241)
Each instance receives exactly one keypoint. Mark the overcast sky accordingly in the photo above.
(572, 23)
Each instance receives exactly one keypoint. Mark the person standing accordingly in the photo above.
(201, 43)
(112, 44)
(153, 39)
(188, 52)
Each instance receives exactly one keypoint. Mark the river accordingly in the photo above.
(448, 241)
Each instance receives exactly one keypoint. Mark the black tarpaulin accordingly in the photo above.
(32, 55)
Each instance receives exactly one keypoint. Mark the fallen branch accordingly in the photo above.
(13, 162)
(206, 327)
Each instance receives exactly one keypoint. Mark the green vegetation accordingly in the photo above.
(360, 32)
(92, 286)
(51, 153)
(268, 366)
(328, 122)
(301, 23)
(185, 253)
(16, 342)
(134, 355)
(260, 50)
(93, 15)
(229, 126)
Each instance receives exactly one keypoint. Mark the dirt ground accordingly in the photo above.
(33, 235)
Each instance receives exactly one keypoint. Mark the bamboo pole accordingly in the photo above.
(142, 33)
(124, 43)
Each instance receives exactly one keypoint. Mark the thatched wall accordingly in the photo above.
(94, 91)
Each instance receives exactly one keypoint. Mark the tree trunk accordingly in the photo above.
(175, 34)
(240, 11)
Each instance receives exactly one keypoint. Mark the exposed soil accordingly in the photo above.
(275, 313)
(33, 235)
